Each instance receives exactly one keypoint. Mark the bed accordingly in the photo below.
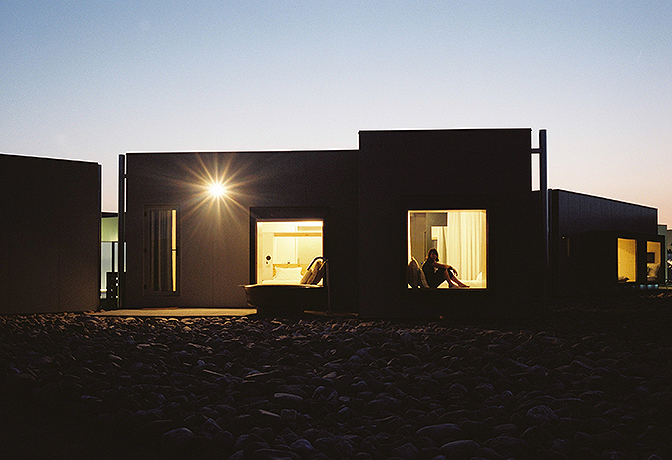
(292, 290)
(287, 274)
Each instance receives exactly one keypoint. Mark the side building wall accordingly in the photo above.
(50, 232)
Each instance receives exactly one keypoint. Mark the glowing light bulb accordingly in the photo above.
(217, 190)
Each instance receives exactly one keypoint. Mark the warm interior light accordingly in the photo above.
(217, 190)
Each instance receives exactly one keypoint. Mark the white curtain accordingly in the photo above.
(462, 243)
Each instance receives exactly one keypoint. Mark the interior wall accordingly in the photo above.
(627, 259)
(276, 245)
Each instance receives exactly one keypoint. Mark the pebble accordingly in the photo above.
(591, 382)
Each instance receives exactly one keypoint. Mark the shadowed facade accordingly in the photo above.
(50, 232)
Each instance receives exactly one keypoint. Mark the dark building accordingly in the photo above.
(200, 226)
(601, 246)
(369, 211)
(190, 246)
(466, 192)
(50, 232)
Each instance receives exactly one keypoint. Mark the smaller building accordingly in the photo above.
(599, 245)
(50, 233)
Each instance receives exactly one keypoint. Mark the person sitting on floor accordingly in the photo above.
(436, 273)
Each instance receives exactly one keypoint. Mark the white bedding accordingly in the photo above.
(473, 284)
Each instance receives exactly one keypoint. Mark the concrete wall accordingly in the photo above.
(216, 249)
(447, 169)
(50, 233)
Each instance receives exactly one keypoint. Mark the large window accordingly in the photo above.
(161, 250)
(284, 249)
(653, 261)
(627, 260)
(460, 238)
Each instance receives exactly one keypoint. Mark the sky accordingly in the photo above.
(88, 80)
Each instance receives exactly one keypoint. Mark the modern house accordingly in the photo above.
(368, 211)
(194, 228)
(50, 232)
(199, 226)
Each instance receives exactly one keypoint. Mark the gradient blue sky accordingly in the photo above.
(91, 79)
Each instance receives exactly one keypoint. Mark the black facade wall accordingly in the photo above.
(50, 252)
(216, 249)
(577, 213)
(447, 169)
(584, 234)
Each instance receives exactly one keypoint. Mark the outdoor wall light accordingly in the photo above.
(217, 190)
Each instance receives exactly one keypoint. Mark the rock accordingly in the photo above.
(407, 451)
(408, 360)
(541, 414)
(322, 393)
(179, 440)
(288, 399)
(508, 446)
(302, 447)
(272, 454)
(442, 433)
(466, 448)
(245, 439)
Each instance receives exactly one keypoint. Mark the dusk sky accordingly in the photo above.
(89, 80)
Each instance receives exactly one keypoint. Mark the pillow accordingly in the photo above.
(652, 269)
(415, 276)
(412, 273)
(289, 273)
(318, 268)
(307, 277)
(652, 272)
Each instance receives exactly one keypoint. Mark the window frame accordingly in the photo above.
(176, 257)
(282, 214)
(635, 264)
(420, 203)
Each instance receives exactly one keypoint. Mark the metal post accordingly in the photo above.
(543, 186)
(545, 221)
(120, 232)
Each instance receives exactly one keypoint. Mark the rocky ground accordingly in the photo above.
(593, 380)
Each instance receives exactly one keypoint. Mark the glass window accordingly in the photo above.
(286, 248)
(108, 251)
(627, 260)
(653, 260)
(161, 251)
(459, 237)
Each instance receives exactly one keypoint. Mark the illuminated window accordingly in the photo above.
(460, 238)
(161, 250)
(286, 248)
(653, 260)
(627, 260)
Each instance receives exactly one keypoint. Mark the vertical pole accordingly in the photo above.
(543, 186)
(121, 205)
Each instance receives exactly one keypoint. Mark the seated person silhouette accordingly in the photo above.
(436, 273)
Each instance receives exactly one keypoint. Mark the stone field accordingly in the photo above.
(592, 380)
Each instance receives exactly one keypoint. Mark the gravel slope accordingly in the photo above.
(591, 381)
